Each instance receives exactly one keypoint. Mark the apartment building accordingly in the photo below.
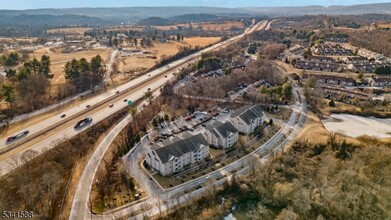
(247, 118)
(222, 135)
(171, 158)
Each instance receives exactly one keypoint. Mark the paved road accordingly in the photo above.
(79, 206)
(168, 198)
(45, 134)
(68, 100)
(80, 201)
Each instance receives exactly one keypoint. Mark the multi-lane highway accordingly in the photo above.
(80, 209)
(44, 134)
(160, 199)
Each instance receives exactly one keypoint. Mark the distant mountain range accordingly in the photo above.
(108, 16)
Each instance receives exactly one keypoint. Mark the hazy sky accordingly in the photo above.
(32, 4)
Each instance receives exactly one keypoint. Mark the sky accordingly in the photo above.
(34, 4)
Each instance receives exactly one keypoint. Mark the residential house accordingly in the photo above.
(331, 50)
(322, 59)
(247, 118)
(379, 81)
(223, 135)
(347, 96)
(171, 158)
(317, 66)
(355, 60)
(362, 68)
(331, 79)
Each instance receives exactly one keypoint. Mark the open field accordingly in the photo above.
(384, 25)
(217, 26)
(201, 41)
(138, 63)
(79, 30)
(355, 126)
(351, 29)
(325, 109)
(60, 59)
(125, 28)
(220, 26)
(20, 40)
(313, 130)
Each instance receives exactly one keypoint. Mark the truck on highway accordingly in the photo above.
(16, 136)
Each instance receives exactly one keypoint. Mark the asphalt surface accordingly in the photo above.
(23, 117)
(164, 199)
(160, 199)
(47, 133)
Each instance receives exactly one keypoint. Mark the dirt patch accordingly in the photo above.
(313, 130)
(355, 126)
(143, 62)
(201, 41)
(215, 26)
(79, 31)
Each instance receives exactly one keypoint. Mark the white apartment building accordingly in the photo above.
(172, 158)
(247, 118)
(223, 135)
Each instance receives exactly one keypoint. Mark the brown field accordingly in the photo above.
(79, 31)
(171, 27)
(125, 28)
(60, 59)
(339, 106)
(350, 29)
(384, 25)
(315, 133)
(14, 40)
(160, 50)
(201, 41)
(206, 25)
(221, 26)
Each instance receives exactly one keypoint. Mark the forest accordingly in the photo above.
(335, 180)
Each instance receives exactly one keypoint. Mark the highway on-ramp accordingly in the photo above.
(168, 198)
(80, 210)
(45, 134)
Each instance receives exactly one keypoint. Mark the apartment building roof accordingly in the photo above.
(181, 147)
(248, 113)
(223, 129)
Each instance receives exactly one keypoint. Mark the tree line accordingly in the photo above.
(84, 75)
(10, 60)
(27, 83)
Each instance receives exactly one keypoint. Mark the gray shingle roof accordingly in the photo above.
(248, 113)
(224, 129)
(181, 147)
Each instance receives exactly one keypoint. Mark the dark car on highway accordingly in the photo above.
(83, 123)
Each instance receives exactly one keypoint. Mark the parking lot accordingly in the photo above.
(193, 124)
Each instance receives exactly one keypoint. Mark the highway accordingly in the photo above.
(167, 198)
(62, 103)
(158, 195)
(45, 134)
